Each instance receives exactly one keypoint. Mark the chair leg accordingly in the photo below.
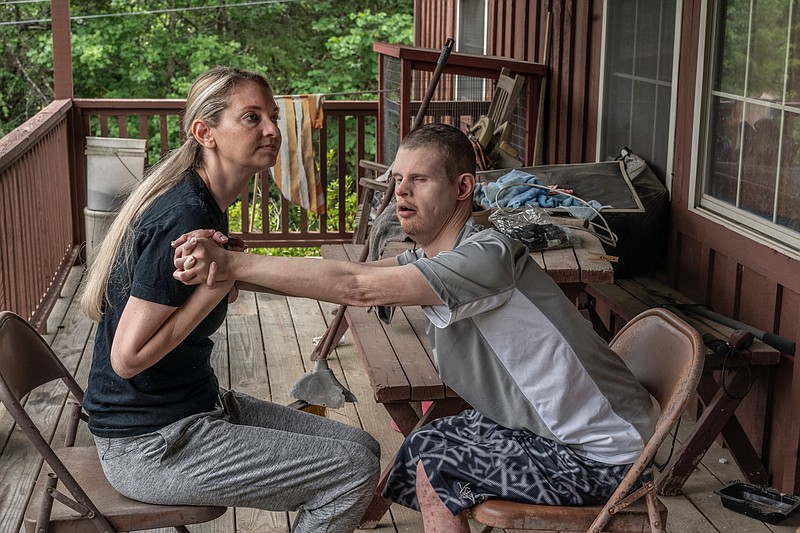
(72, 426)
(652, 510)
(52, 493)
(181, 529)
(43, 520)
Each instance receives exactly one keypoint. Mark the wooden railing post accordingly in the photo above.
(62, 50)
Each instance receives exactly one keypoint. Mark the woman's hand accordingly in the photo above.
(184, 260)
(199, 261)
(234, 244)
(233, 294)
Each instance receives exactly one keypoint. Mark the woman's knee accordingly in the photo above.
(372, 445)
(367, 467)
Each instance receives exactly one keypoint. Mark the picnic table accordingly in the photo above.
(398, 358)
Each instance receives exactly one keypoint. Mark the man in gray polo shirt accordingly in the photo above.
(556, 417)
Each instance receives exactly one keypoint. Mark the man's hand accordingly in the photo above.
(200, 260)
(235, 244)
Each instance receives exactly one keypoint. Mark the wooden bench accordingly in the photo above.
(723, 386)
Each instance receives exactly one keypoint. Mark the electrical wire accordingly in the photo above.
(149, 12)
(13, 2)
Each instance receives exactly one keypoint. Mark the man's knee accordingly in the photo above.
(423, 484)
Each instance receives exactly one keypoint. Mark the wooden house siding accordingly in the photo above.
(516, 29)
(434, 22)
(737, 275)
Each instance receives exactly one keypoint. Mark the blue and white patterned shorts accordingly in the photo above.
(470, 458)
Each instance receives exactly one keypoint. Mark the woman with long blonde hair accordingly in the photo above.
(165, 431)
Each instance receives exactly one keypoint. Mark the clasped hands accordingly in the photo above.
(200, 256)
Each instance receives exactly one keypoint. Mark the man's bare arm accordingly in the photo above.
(343, 282)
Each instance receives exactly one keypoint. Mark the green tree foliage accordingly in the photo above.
(26, 71)
(349, 47)
(126, 49)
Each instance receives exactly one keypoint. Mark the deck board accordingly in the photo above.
(263, 349)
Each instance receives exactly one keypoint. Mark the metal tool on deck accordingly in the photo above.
(320, 387)
(778, 342)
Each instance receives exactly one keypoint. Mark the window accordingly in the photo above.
(637, 80)
(750, 169)
(471, 39)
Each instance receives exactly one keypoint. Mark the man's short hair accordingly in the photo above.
(454, 147)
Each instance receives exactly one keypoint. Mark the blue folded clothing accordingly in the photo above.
(508, 186)
(498, 192)
(531, 194)
(517, 189)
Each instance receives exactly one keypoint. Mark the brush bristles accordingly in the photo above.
(302, 405)
(315, 409)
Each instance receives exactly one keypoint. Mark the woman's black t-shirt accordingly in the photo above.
(183, 382)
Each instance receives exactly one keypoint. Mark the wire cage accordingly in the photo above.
(463, 95)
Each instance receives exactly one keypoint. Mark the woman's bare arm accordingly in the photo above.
(148, 331)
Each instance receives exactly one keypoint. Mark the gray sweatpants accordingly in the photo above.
(251, 453)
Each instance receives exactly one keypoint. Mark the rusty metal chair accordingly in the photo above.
(72, 493)
(666, 355)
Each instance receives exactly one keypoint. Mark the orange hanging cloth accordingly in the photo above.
(295, 171)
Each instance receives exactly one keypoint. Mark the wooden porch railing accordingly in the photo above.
(43, 188)
(346, 137)
(37, 238)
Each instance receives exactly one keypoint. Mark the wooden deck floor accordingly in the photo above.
(262, 350)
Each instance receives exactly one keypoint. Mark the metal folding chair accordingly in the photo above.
(666, 355)
(72, 493)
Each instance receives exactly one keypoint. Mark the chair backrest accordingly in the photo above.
(506, 94)
(666, 355)
(27, 361)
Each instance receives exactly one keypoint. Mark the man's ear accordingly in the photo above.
(203, 134)
(466, 184)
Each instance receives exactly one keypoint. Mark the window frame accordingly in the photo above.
(736, 219)
(458, 78)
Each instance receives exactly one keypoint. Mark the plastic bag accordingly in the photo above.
(534, 228)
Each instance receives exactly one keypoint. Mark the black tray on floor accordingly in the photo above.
(762, 503)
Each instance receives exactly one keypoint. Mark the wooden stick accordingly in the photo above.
(537, 142)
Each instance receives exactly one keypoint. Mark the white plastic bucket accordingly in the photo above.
(97, 225)
(113, 169)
